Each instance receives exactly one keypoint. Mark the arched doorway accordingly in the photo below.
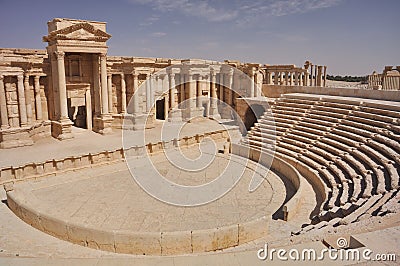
(252, 114)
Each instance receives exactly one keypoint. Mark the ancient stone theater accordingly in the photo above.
(174, 160)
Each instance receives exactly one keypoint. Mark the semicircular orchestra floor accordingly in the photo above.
(105, 202)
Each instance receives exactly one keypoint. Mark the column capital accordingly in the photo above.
(172, 74)
(1, 77)
(135, 75)
(26, 75)
(59, 54)
(122, 75)
(20, 77)
(103, 55)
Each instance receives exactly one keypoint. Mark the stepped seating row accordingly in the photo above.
(351, 147)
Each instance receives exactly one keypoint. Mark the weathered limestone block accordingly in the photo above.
(215, 239)
(144, 243)
(253, 229)
(173, 243)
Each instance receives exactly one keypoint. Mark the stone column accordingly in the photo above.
(110, 94)
(221, 87)
(300, 78)
(213, 109)
(319, 76)
(104, 90)
(135, 96)
(96, 85)
(306, 77)
(123, 94)
(199, 92)
(296, 78)
(3, 105)
(62, 87)
(172, 90)
(182, 77)
(192, 90)
(28, 100)
(286, 78)
(252, 83)
(21, 101)
(311, 74)
(324, 76)
(276, 74)
(38, 99)
(148, 92)
(316, 75)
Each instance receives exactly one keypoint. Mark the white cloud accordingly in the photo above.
(149, 21)
(241, 11)
(158, 34)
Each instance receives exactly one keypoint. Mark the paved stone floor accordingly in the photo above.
(107, 198)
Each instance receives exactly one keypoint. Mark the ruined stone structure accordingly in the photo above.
(75, 83)
(388, 80)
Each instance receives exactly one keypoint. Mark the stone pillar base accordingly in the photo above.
(226, 112)
(190, 113)
(62, 129)
(15, 137)
(103, 124)
(214, 114)
(175, 115)
(136, 122)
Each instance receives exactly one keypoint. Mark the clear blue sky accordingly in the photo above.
(351, 37)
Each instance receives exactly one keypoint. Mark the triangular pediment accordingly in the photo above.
(81, 31)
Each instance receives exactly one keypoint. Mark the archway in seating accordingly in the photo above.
(252, 114)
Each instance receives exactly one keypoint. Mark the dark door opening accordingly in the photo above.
(160, 113)
(77, 114)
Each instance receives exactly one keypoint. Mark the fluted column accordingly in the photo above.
(96, 85)
(62, 87)
(38, 98)
(135, 96)
(182, 77)
(104, 89)
(3, 105)
(213, 91)
(148, 92)
(199, 85)
(192, 90)
(123, 94)
(110, 94)
(172, 90)
(21, 100)
(221, 87)
(28, 100)
(300, 78)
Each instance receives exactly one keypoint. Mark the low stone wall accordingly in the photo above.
(24, 205)
(274, 91)
(281, 167)
(51, 167)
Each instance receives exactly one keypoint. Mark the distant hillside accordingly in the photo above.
(362, 79)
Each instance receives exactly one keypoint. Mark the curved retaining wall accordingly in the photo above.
(26, 206)
(278, 165)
